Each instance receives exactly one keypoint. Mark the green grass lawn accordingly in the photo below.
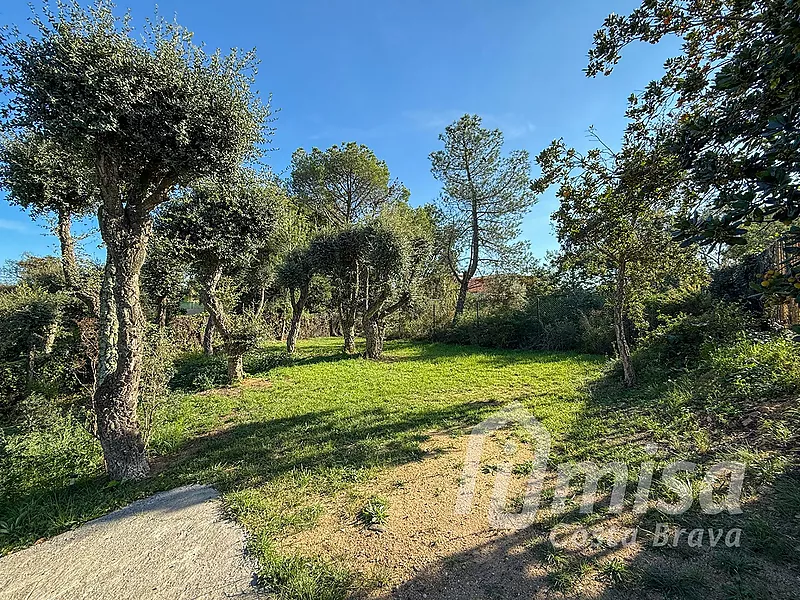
(323, 422)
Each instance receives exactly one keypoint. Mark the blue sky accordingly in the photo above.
(392, 74)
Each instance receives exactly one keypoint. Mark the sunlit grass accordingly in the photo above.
(323, 422)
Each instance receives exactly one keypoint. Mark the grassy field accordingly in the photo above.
(309, 428)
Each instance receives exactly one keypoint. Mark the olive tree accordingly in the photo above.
(149, 113)
(296, 274)
(163, 278)
(344, 185)
(219, 228)
(40, 176)
(385, 266)
(484, 197)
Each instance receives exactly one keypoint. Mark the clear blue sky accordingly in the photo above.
(391, 74)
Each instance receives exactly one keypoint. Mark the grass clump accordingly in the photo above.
(375, 511)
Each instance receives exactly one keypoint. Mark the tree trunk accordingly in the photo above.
(107, 326)
(216, 310)
(208, 336)
(282, 334)
(374, 332)
(628, 373)
(162, 312)
(69, 263)
(294, 333)
(125, 232)
(374, 322)
(474, 254)
(298, 305)
(235, 368)
(349, 333)
(462, 299)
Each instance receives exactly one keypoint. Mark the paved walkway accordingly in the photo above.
(172, 546)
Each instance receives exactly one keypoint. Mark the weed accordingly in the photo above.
(375, 511)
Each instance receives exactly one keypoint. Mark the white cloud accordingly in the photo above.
(7, 225)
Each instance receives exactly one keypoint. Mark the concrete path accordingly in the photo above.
(172, 546)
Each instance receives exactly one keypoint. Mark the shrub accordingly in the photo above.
(196, 371)
(262, 360)
(576, 321)
(686, 328)
(756, 368)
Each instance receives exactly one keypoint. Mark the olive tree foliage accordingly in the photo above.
(484, 198)
(163, 278)
(734, 97)
(614, 224)
(296, 274)
(383, 262)
(148, 113)
(219, 228)
(42, 178)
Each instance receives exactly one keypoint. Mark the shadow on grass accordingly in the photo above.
(333, 448)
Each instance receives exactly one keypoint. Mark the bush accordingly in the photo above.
(756, 368)
(262, 360)
(198, 371)
(577, 321)
(687, 327)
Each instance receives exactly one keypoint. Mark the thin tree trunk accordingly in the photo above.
(628, 373)
(69, 263)
(217, 312)
(262, 302)
(125, 232)
(282, 335)
(208, 336)
(462, 299)
(474, 254)
(162, 312)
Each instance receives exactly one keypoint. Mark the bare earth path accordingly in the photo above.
(176, 545)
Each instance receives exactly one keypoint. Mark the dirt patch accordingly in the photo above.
(176, 545)
(425, 550)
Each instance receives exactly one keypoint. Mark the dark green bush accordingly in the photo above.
(198, 371)
(263, 360)
(577, 321)
(685, 327)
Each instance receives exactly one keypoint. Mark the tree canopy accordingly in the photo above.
(343, 184)
(734, 97)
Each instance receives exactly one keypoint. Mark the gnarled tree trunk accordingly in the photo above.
(298, 305)
(235, 368)
(348, 320)
(374, 322)
(125, 230)
(374, 334)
